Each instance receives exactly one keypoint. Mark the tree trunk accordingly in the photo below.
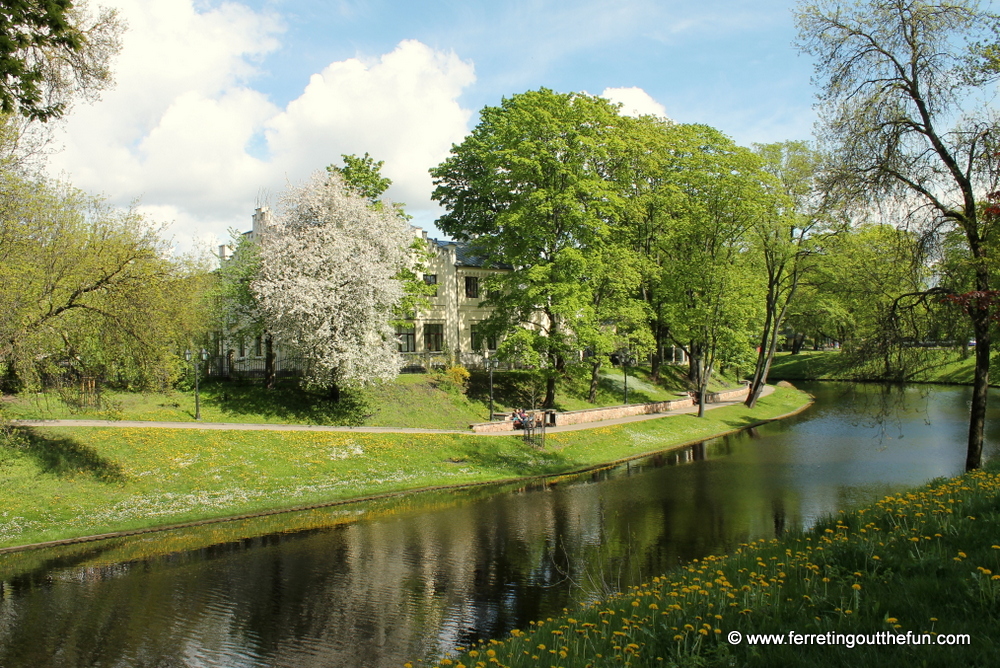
(980, 388)
(268, 361)
(559, 365)
(765, 357)
(702, 388)
(797, 341)
(595, 377)
(764, 352)
(694, 365)
(657, 361)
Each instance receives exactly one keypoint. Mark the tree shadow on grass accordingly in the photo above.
(520, 463)
(287, 404)
(62, 456)
(743, 422)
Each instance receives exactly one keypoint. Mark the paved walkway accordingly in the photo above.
(245, 426)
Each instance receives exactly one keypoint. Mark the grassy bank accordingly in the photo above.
(923, 565)
(932, 366)
(59, 483)
(429, 401)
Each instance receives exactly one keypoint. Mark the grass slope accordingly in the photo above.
(411, 400)
(935, 366)
(57, 483)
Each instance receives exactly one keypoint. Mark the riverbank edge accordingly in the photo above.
(955, 601)
(809, 400)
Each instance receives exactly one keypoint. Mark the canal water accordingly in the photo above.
(378, 584)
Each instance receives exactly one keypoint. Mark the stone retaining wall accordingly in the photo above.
(612, 412)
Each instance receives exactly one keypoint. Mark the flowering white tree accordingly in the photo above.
(326, 284)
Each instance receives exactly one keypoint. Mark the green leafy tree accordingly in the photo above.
(785, 241)
(533, 187)
(51, 51)
(696, 199)
(364, 176)
(898, 80)
(868, 290)
(89, 290)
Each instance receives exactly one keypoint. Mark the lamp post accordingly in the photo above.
(491, 364)
(625, 363)
(197, 398)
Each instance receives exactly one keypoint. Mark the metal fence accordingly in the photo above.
(250, 368)
(423, 362)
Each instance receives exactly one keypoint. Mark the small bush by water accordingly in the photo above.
(921, 567)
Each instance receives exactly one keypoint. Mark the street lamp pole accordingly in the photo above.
(197, 398)
(625, 372)
(491, 364)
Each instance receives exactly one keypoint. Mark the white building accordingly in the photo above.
(450, 326)
(447, 330)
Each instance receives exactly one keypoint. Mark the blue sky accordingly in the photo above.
(218, 106)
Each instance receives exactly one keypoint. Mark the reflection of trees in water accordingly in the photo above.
(883, 407)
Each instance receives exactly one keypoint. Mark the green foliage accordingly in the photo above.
(455, 378)
(703, 271)
(550, 218)
(89, 290)
(49, 50)
(236, 309)
(364, 176)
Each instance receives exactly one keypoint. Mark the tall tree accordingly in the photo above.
(784, 239)
(328, 281)
(533, 187)
(694, 199)
(898, 81)
(709, 283)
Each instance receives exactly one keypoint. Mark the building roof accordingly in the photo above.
(464, 256)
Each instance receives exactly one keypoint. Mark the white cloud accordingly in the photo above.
(635, 102)
(401, 108)
(185, 132)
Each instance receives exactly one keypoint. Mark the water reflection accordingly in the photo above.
(414, 577)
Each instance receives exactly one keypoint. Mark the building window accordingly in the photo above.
(406, 340)
(432, 279)
(472, 287)
(243, 349)
(480, 341)
(434, 337)
(258, 348)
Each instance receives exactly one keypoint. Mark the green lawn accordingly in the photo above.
(411, 400)
(61, 482)
(929, 366)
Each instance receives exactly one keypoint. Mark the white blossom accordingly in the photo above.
(326, 282)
